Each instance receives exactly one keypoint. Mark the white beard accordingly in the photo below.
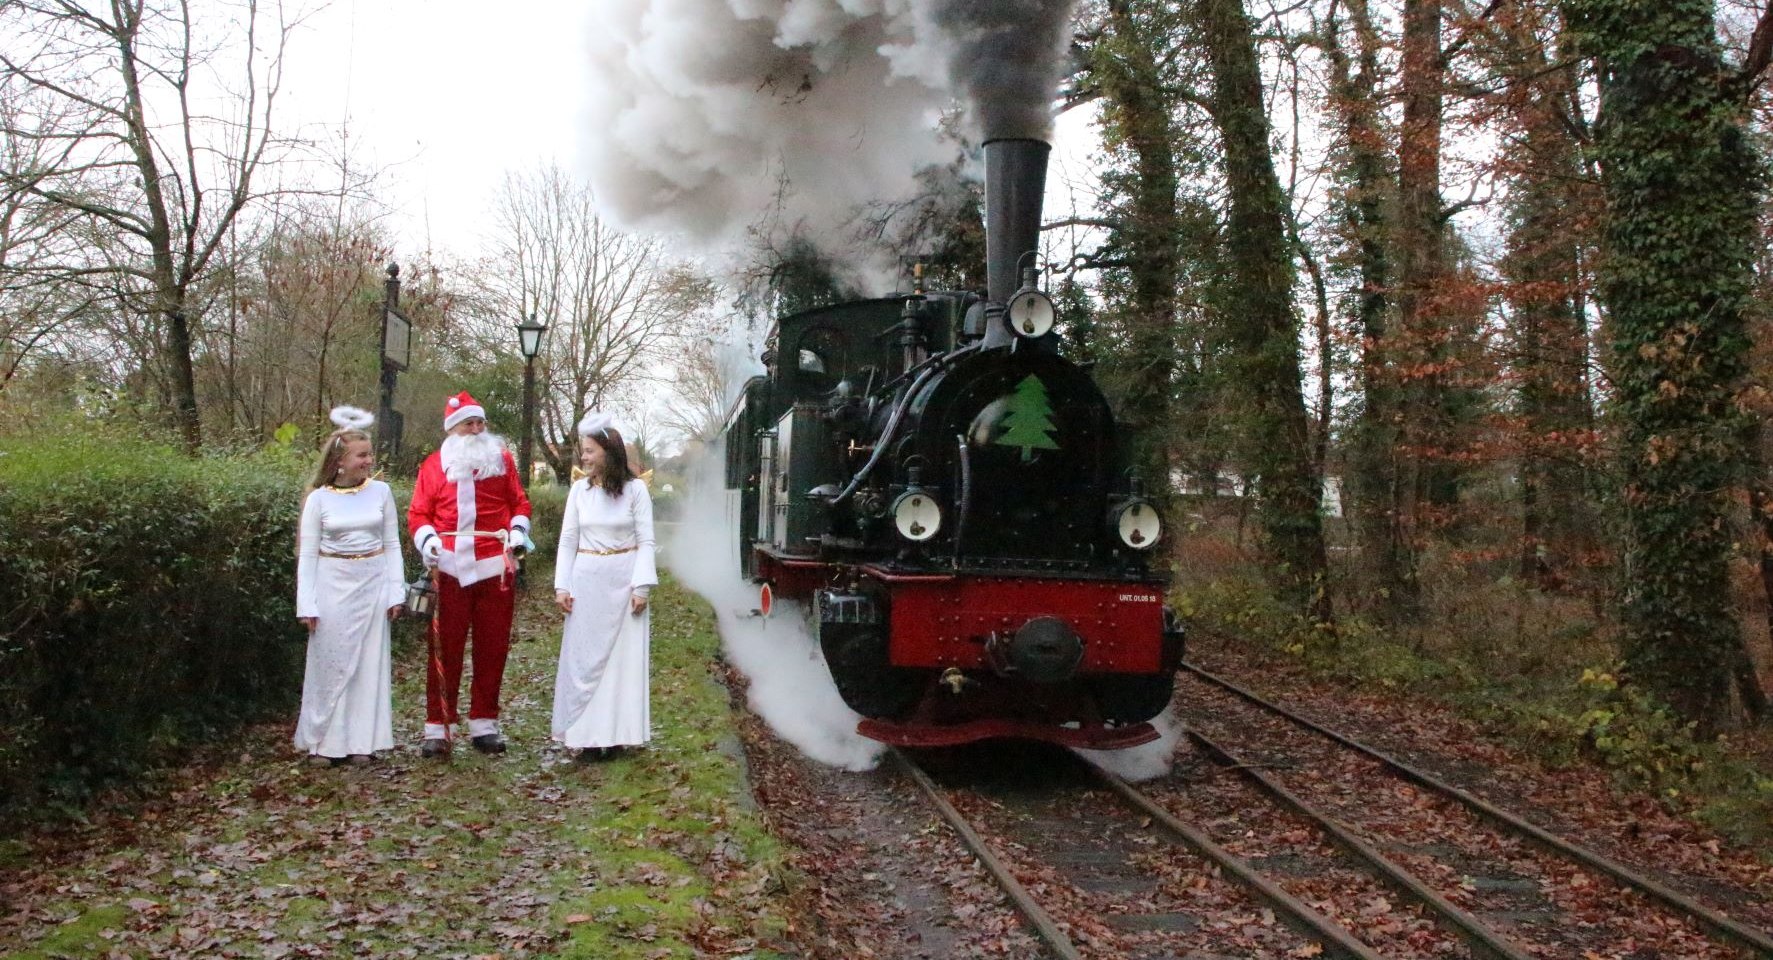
(473, 456)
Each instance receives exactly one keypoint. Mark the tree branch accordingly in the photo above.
(1081, 222)
(1760, 52)
(1452, 49)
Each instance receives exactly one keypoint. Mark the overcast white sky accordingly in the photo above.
(448, 95)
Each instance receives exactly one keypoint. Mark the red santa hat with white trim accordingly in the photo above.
(460, 407)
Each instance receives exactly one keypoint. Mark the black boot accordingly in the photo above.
(489, 743)
(434, 749)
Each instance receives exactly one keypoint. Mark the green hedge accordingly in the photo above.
(547, 506)
(146, 602)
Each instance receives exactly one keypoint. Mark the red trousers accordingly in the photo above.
(486, 608)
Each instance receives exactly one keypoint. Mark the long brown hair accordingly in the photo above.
(331, 452)
(616, 471)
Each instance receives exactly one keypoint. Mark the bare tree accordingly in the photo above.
(154, 133)
(296, 326)
(706, 376)
(613, 300)
(33, 233)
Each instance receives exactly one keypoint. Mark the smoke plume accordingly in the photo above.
(710, 116)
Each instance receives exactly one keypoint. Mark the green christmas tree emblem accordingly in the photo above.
(1028, 422)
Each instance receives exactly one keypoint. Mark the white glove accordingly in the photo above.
(432, 551)
(520, 541)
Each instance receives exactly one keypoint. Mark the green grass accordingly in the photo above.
(80, 937)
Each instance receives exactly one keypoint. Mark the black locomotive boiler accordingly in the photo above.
(948, 494)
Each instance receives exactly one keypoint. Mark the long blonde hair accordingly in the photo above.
(331, 452)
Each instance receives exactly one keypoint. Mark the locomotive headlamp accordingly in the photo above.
(917, 516)
(1137, 524)
(1030, 314)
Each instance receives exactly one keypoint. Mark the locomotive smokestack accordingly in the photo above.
(1015, 181)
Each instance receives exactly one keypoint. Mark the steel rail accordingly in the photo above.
(1732, 930)
(1301, 918)
(1483, 940)
(1043, 922)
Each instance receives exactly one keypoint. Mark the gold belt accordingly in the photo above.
(354, 556)
(608, 553)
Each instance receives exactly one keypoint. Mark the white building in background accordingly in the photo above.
(1231, 484)
(1330, 498)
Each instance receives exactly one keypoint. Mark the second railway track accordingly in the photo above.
(1535, 890)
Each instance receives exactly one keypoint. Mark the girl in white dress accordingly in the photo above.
(348, 587)
(603, 573)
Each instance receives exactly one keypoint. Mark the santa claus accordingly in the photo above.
(469, 517)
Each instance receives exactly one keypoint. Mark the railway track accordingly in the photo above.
(1263, 862)
(1101, 869)
(1100, 872)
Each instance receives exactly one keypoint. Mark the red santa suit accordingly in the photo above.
(475, 592)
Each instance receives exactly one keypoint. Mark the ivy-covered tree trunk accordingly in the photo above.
(1137, 122)
(1368, 186)
(1681, 185)
(1265, 333)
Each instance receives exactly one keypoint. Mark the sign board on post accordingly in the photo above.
(396, 339)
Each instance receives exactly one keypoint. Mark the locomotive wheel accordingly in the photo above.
(1132, 699)
(857, 657)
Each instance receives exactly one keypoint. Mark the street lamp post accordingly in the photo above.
(529, 340)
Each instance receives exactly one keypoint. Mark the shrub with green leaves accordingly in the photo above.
(547, 504)
(146, 601)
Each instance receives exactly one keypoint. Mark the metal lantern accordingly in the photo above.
(421, 597)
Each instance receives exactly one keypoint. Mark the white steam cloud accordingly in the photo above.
(710, 115)
(1148, 761)
(790, 687)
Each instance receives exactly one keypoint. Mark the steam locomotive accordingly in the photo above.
(948, 496)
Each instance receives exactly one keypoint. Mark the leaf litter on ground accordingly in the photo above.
(653, 855)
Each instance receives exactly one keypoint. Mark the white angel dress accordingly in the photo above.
(348, 573)
(606, 555)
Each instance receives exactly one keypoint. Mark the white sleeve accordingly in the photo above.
(308, 557)
(646, 572)
(568, 550)
(396, 567)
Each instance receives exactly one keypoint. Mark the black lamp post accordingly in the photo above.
(529, 340)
